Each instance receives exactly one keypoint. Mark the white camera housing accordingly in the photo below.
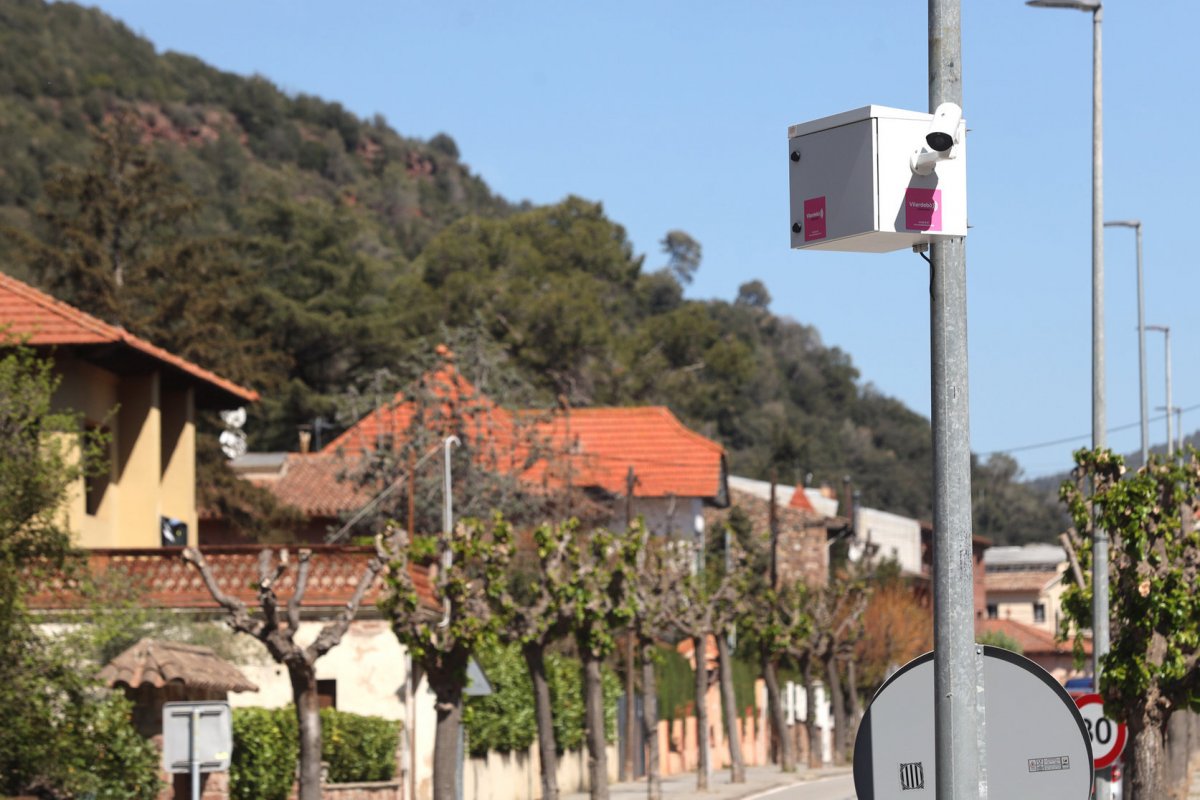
(851, 187)
(944, 135)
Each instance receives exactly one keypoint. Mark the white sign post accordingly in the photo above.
(1108, 736)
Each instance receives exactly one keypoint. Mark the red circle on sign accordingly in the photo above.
(1103, 760)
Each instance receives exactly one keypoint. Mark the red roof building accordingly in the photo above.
(143, 399)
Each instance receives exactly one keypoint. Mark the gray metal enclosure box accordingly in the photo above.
(852, 189)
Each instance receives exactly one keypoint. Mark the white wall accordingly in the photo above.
(678, 515)
(894, 536)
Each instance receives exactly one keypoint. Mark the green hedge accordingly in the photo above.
(358, 748)
(266, 749)
(504, 720)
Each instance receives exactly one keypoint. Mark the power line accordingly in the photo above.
(1081, 437)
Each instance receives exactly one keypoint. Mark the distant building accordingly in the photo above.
(1025, 584)
(677, 472)
(144, 398)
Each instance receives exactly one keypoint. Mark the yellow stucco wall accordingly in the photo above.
(151, 454)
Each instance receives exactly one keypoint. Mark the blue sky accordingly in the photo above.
(674, 114)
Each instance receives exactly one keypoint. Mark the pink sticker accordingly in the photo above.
(814, 218)
(923, 209)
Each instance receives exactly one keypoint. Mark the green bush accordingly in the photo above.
(504, 720)
(265, 751)
(358, 748)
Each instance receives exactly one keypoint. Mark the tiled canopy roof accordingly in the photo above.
(165, 580)
(158, 663)
(319, 484)
(1033, 641)
(43, 321)
(593, 447)
(1020, 580)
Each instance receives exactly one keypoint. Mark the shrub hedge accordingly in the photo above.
(266, 749)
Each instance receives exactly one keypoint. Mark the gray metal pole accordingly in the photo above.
(1165, 330)
(1170, 408)
(1142, 350)
(1141, 329)
(193, 760)
(1099, 410)
(956, 721)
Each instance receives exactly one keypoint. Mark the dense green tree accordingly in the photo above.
(60, 733)
(1152, 668)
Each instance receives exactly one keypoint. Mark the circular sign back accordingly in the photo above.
(1035, 741)
(1107, 735)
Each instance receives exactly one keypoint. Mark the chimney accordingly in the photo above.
(305, 440)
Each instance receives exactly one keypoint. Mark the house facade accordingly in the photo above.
(144, 400)
(1025, 584)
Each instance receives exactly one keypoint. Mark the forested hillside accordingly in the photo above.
(311, 254)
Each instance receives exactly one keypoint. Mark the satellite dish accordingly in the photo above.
(233, 444)
(234, 418)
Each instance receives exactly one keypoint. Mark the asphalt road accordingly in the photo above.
(837, 787)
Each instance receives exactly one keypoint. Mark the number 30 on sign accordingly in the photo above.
(1107, 735)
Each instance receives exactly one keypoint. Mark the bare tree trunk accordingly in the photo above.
(308, 718)
(627, 759)
(535, 660)
(810, 719)
(737, 766)
(1146, 762)
(787, 753)
(855, 705)
(701, 655)
(839, 710)
(650, 719)
(593, 692)
(446, 738)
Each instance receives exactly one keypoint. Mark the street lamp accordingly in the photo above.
(1100, 540)
(1137, 227)
(1166, 332)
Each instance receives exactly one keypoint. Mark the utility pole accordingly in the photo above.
(958, 736)
(627, 763)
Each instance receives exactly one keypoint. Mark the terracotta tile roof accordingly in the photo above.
(1020, 580)
(598, 445)
(667, 458)
(1033, 641)
(800, 500)
(45, 322)
(158, 663)
(166, 581)
(319, 484)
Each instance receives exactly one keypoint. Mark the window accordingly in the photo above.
(1039, 612)
(327, 693)
(993, 611)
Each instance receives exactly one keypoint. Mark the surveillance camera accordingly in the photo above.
(943, 129)
(939, 145)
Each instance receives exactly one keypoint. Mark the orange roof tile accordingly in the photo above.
(43, 321)
(1033, 641)
(1019, 580)
(167, 581)
(318, 484)
(157, 662)
(800, 500)
(667, 458)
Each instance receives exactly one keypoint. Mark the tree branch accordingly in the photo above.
(293, 606)
(240, 618)
(332, 633)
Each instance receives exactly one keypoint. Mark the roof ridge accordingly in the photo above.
(52, 303)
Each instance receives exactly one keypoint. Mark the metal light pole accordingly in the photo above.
(1165, 330)
(1099, 438)
(957, 671)
(1137, 227)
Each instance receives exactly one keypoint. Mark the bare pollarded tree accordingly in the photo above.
(276, 628)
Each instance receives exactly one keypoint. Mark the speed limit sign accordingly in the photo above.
(1108, 736)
